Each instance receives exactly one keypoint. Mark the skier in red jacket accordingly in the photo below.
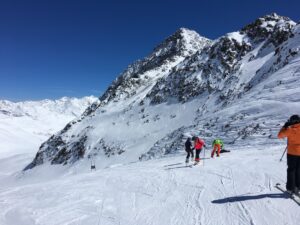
(198, 144)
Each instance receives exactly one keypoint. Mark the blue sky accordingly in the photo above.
(50, 49)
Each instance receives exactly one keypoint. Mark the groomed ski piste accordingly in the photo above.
(236, 188)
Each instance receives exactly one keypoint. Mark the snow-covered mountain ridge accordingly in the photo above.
(240, 87)
(143, 74)
(25, 125)
(65, 105)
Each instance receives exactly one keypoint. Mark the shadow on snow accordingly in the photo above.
(249, 197)
(178, 167)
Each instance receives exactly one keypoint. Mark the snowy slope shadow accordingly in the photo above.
(173, 164)
(242, 198)
(178, 167)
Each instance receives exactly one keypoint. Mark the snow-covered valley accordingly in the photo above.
(25, 125)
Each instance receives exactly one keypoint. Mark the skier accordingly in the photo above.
(189, 150)
(198, 144)
(291, 130)
(217, 144)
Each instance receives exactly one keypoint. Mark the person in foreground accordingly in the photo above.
(291, 130)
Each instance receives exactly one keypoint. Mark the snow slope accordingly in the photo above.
(237, 189)
(241, 87)
(25, 125)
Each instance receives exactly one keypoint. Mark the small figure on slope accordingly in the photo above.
(189, 150)
(291, 130)
(217, 145)
(198, 144)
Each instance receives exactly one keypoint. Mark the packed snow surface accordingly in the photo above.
(236, 188)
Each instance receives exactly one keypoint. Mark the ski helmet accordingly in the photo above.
(294, 119)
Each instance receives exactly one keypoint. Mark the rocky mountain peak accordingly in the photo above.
(174, 49)
(184, 41)
(276, 28)
(205, 70)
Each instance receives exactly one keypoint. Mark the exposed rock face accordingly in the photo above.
(204, 70)
(59, 151)
(276, 29)
(183, 43)
(188, 85)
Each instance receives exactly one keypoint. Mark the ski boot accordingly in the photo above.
(187, 162)
(297, 192)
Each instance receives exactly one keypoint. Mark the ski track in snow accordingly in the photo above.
(237, 188)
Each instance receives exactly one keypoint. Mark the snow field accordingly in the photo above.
(25, 125)
(237, 188)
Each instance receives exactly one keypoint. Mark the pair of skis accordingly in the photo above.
(294, 197)
(193, 164)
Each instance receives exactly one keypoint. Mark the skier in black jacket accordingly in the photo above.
(189, 150)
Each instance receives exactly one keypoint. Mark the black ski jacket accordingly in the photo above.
(188, 145)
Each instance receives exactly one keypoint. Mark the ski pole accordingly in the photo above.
(283, 154)
(204, 156)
